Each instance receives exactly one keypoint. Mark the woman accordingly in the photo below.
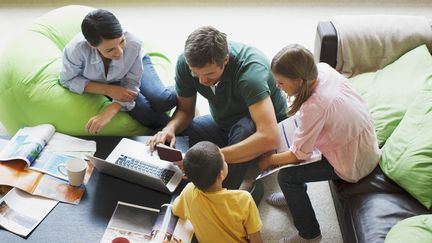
(105, 60)
(333, 118)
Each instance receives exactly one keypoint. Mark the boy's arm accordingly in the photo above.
(255, 237)
(180, 206)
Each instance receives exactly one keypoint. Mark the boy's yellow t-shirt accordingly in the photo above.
(223, 216)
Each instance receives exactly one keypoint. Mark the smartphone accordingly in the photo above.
(168, 153)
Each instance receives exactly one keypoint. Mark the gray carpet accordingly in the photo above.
(278, 222)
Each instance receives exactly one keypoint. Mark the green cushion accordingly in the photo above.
(407, 154)
(417, 229)
(30, 92)
(390, 91)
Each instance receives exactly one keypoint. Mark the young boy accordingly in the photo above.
(217, 214)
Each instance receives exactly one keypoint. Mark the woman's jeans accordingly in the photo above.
(154, 99)
(292, 181)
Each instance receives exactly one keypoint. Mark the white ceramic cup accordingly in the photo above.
(75, 171)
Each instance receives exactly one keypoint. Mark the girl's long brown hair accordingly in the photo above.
(296, 62)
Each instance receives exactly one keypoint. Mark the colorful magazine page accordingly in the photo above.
(21, 212)
(133, 223)
(45, 150)
(27, 143)
(14, 173)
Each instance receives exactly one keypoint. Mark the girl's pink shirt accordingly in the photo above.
(336, 120)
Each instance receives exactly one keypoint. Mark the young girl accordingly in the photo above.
(333, 118)
(105, 60)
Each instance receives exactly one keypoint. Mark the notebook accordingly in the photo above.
(131, 160)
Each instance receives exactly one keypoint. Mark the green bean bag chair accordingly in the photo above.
(30, 92)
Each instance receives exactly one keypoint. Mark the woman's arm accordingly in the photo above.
(96, 123)
(114, 91)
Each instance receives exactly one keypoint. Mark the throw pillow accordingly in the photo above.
(390, 91)
(417, 229)
(407, 154)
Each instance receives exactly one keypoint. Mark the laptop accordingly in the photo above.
(131, 160)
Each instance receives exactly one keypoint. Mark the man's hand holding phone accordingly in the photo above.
(170, 154)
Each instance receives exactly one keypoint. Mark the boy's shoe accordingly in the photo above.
(298, 239)
(277, 199)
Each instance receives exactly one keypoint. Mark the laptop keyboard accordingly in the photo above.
(144, 168)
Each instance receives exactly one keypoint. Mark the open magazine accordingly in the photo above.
(287, 130)
(30, 162)
(44, 150)
(142, 224)
(20, 212)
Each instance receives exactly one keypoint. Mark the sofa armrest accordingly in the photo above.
(326, 43)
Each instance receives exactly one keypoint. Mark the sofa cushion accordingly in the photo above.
(30, 92)
(407, 154)
(417, 229)
(367, 210)
(390, 91)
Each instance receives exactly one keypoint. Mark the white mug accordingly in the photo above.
(75, 171)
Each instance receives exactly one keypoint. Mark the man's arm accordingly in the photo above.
(180, 120)
(265, 138)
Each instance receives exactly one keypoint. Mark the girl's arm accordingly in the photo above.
(284, 158)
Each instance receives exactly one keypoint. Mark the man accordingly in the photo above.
(245, 103)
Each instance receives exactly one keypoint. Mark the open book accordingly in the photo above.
(142, 224)
(287, 130)
(20, 212)
(42, 150)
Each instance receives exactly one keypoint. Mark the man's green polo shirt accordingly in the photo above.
(247, 79)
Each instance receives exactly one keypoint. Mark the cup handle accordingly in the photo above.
(60, 169)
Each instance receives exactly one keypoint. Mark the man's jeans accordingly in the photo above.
(154, 99)
(292, 181)
(204, 128)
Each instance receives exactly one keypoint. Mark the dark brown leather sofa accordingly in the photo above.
(366, 210)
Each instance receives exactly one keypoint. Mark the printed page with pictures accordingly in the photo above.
(16, 174)
(142, 224)
(287, 130)
(45, 150)
(21, 212)
(27, 143)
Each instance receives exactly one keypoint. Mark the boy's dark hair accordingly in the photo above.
(202, 164)
(204, 46)
(100, 24)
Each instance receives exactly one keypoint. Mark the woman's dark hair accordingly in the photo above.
(100, 24)
(296, 62)
(202, 164)
(204, 46)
